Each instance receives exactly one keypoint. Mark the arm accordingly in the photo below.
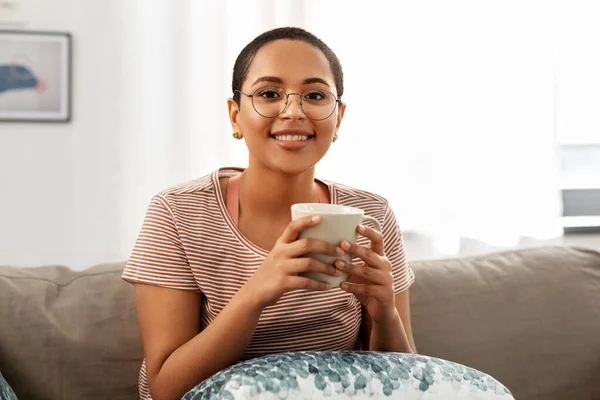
(178, 357)
(381, 285)
(395, 335)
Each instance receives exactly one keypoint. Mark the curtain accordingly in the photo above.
(450, 109)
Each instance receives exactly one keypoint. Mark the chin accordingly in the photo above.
(292, 167)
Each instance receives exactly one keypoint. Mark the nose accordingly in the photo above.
(293, 109)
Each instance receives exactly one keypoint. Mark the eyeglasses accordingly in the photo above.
(270, 102)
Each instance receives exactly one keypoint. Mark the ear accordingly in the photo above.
(234, 112)
(340, 116)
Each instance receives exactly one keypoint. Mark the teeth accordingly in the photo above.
(291, 138)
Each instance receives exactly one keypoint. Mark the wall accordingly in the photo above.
(75, 193)
(59, 182)
(149, 96)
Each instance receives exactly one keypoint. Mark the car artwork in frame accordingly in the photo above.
(35, 76)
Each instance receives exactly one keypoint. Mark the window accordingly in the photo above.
(577, 64)
(580, 185)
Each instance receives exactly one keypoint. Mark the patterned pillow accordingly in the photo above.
(6, 393)
(349, 375)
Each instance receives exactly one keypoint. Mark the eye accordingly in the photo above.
(314, 95)
(271, 94)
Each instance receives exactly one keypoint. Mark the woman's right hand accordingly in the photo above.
(278, 274)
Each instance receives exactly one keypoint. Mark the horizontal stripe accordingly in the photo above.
(189, 242)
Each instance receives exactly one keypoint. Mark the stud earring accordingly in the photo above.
(236, 135)
(335, 136)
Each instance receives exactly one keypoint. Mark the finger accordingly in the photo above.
(299, 265)
(370, 275)
(307, 245)
(374, 236)
(296, 226)
(356, 279)
(370, 258)
(363, 290)
(300, 282)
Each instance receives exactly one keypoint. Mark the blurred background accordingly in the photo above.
(478, 120)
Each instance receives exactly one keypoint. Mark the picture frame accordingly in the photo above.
(35, 76)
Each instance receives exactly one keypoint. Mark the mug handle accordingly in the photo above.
(374, 221)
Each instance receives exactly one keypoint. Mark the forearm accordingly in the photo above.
(390, 335)
(220, 345)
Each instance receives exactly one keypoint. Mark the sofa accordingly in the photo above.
(528, 317)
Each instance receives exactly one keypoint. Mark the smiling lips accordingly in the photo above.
(292, 139)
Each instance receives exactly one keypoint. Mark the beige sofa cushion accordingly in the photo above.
(69, 335)
(530, 318)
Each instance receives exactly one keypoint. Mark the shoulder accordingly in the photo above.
(191, 194)
(193, 186)
(354, 197)
(372, 203)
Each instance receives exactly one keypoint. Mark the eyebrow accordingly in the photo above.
(315, 80)
(275, 79)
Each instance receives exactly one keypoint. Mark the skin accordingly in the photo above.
(175, 349)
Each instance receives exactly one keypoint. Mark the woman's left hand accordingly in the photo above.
(371, 282)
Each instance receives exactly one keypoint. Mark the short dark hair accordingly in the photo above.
(244, 59)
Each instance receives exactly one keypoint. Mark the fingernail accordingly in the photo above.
(345, 245)
(315, 218)
(339, 263)
(344, 286)
(361, 229)
(327, 286)
(338, 272)
(339, 251)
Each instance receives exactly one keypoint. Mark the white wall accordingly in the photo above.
(76, 193)
(144, 111)
(59, 182)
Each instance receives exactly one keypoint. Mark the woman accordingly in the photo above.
(216, 263)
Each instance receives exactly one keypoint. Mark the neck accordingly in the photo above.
(264, 191)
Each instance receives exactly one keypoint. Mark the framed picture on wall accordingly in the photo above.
(35, 76)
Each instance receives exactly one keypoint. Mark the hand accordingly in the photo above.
(371, 282)
(278, 274)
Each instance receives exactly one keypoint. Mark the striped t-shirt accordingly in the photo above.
(189, 242)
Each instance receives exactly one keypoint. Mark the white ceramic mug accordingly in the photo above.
(337, 223)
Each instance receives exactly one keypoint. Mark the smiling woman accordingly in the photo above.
(290, 82)
(218, 266)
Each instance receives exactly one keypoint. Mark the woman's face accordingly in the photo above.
(290, 143)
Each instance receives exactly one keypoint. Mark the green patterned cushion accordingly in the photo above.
(349, 375)
(6, 393)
